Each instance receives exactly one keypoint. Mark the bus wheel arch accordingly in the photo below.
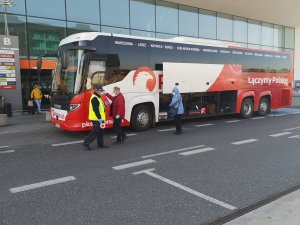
(142, 116)
(264, 106)
(247, 107)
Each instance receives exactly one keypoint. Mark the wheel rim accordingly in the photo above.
(263, 107)
(143, 119)
(247, 108)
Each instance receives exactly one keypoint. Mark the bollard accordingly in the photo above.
(48, 116)
(3, 120)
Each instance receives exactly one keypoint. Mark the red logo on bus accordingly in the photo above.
(149, 74)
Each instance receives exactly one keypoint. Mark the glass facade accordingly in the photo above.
(41, 28)
(42, 40)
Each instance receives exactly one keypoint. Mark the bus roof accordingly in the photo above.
(89, 36)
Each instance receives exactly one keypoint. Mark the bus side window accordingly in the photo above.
(96, 74)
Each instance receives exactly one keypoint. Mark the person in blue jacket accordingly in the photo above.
(177, 107)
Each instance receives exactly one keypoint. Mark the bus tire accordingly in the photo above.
(247, 108)
(141, 118)
(264, 107)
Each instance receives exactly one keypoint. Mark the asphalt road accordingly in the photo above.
(217, 166)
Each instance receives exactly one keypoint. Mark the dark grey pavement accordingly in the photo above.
(248, 160)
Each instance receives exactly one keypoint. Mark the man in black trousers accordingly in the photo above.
(97, 116)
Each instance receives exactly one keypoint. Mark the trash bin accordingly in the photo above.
(7, 109)
(2, 101)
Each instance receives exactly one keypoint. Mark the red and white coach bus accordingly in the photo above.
(213, 77)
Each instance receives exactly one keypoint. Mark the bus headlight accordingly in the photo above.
(74, 107)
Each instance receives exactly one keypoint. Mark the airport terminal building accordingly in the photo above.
(41, 24)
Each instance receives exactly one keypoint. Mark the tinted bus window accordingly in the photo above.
(160, 52)
(132, 53)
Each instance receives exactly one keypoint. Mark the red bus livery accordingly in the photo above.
(215, 78)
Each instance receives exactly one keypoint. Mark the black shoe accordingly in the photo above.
(87, 147)
(178, 132)
(124, 137)
(103, 146)
(117, 143)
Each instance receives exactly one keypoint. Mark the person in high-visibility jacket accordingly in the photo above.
(97, 116)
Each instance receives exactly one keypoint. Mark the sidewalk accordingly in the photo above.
(284, 211)
(23, 122)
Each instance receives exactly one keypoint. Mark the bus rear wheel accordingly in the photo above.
(141, 118)
(263, 107)
(247, 108)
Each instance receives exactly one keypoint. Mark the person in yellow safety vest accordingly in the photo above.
(37, 95)
(97, 116)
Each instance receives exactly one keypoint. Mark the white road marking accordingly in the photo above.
(41, 184)
(295, 136)
(130, 165)
(163, 130)
(5, 146)
(258, 118)
(6, 152)
(172, 151)
(294, 128)
(244, 142)
(280, 134)
(277, 115)
(128, 135)
(184, 188)
(196, 151)
(232, 121)
(203, 125)
(172, 129)
(67, 143)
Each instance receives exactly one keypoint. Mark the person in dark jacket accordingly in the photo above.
(118, 113)
(177, 107)
(97, 116)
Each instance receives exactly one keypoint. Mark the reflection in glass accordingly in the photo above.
(142, 14)
(73, 28)
(240, 29)
(224, 27)
(207, 24)
(19, 8)
(165, 36)
(16, 26)
(115, 13)
(278, 36)
(142, 33)
(44, 35)
(267, 48)
(267, 34)
(78, 10)
(114, 30)
(166, 17)
(289, 38)
(188, 21)
(254, 46)
(254, 32)
(54, 9)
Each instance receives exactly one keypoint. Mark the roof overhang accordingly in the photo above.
(284, 12)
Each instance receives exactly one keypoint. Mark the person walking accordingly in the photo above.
(118, 113)
(177, 108)
(97, 116)
(36, 95)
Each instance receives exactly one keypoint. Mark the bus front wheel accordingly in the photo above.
(247, 108)
(263, 107)
(141, 118)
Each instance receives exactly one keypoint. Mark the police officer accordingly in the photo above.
(97, 116)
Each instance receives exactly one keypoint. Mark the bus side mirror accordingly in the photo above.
(39, 64)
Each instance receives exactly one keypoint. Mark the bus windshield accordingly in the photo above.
(67, 78)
